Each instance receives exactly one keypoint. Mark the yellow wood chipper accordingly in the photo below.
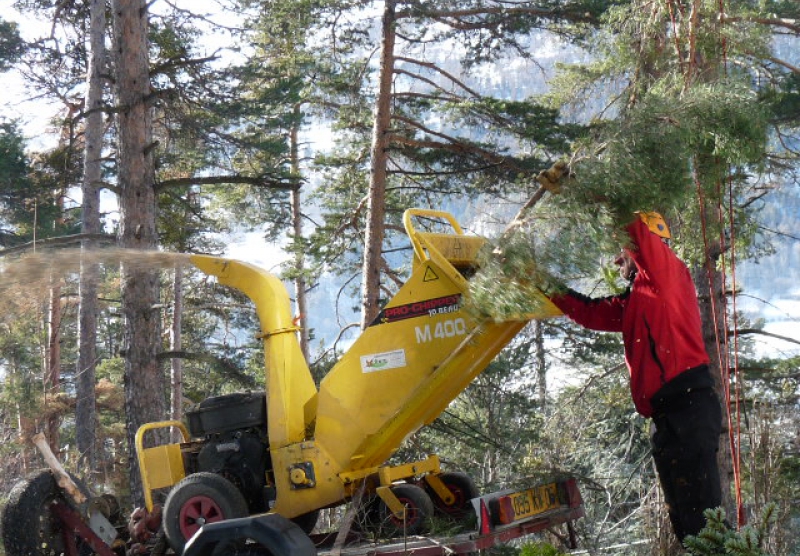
(315, 448)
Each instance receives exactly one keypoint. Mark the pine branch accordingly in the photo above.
(410, 94)
(456, 18)
(763, 333)
(777, 233)
(226, 366)
(509, 283)
(177, 63)
(265, 182)
(436, 68)
(452, 144)
(789, 24)
(58, 242)
(424, 80)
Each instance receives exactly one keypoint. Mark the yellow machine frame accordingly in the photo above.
(399, 375)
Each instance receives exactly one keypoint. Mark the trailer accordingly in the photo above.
(55, 524)
(500, 517)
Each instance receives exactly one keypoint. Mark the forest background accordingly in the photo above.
(314, 124)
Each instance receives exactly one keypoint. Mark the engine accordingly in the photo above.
(235, 445)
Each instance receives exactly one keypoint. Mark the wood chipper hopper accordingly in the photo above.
(316, 448)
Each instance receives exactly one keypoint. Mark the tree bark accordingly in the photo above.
(176, 364)
(144, 380)
(297, 224)
(376, 197)
(711, 297)
(541, 363)
(86, 407)
(53, 379)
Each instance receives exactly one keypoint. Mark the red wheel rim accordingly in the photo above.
(412, 513)
(459, 500)
(196, 512)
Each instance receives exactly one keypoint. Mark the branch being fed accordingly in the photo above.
(549, 180)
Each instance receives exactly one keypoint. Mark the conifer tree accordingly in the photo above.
(434, 134)
(144, 386)
(289, 83)
(93, 139)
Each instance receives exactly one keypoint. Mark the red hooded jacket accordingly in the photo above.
(659, 317)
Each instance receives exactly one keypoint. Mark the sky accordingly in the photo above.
(34, 115)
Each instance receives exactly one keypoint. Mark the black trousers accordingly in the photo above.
(685, 445)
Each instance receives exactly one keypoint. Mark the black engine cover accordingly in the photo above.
(228, 413)
(242, 457)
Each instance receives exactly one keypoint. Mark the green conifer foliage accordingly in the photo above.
(683, 127)
(645, 159)
(11, 45)
(719, 538)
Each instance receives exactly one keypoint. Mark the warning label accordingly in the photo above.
(430, 275)
(426, 308)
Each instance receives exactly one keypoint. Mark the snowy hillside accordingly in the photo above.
(770, 285)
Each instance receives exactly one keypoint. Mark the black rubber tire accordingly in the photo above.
(463, 488)
(248, 550)
(419, 510)
(307, 521)
(29, 528)
(197, 499)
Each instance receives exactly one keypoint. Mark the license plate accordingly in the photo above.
(527, 503)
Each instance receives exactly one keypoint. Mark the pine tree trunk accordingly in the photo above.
(86, 407)
(711, 296)
(176, 364)
(144, 380)
(541, 363)
(376, 197)
(53, 381)
(297, 224)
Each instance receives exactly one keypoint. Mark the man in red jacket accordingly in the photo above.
(659, 319)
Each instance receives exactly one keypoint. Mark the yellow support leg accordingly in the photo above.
(441, 490)
(392, 502)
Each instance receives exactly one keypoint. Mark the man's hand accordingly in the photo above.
(548, 284)
(550, 179)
